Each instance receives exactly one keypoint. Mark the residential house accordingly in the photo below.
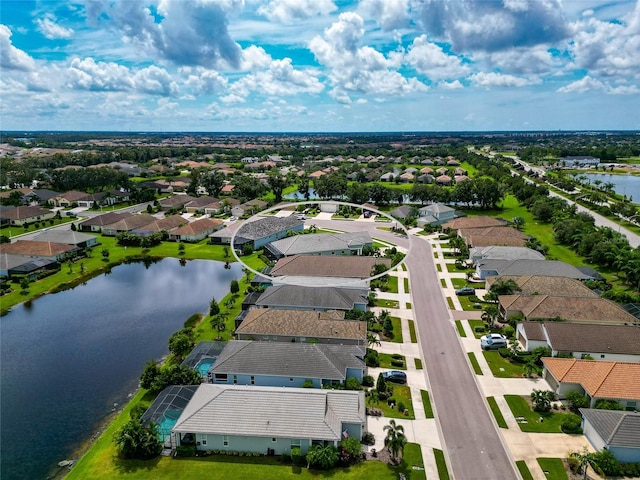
(34, 249)
(310, 298)
(20, 216)
(599, 380)
(265, 230)
(95, 224)
(270, 419)
(90, 199)
(461, 178)
(473, 222)
(541, 285)
(225, 234)
(444, 180)
(158, 225)
(496, 252)
(273, 325)
(338, 244)
(401, 212)
(68, 237)
(175, 202)
(287, 364)
(551, 268)
(199, 204)
(249, 208)
(67, 199)
(388, 177)
(435, 214)
(407, 177)
(571, 309)
(615, 431)
(196, 230)
(12, 266)
(580, 161)
(426, 178)
(619, 343)
(39, 196)
(320, 266)
(127, 224)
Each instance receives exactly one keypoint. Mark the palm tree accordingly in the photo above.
(541, 400)
(518, 222)
(372, 340)
(586, 459)
(395, 439)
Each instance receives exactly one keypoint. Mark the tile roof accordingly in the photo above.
(32, 247)
(325, 266)
(474, 222)
(489, 240)
(106, 219)
(599, 378)
(176, 201)
(267, 226)
(68, 237)
(201, 202)
(500, 231)
(319, 242)
(302, 323)
(22, 213)
(542, 285)
(8, 262)
(271, 412)
(576, 337)
(160, 224)
(616, 428)
(284, 359)
(327, 298)
(572, 309)
(197, 226)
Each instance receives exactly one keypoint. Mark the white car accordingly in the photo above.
(493, 341)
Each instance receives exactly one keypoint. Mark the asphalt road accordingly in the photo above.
(472, 441)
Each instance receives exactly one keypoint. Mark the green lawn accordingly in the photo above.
(426, 403)
(551, 421)
(553, 468)
(14, 230)
(393, 284)
(474, 363)
(412, 457)
(397, 330)
(385, 361)
(418, 363)
(441, 464)
(401, 393)
(412, 331)
(460, 328)
(386, 303)
(459, 283)
(496, 412)
(406, 285)
(443, 282)
(501, 367)
(450, 303)
(476, 323)
(468, 305)
(438, 267)
(407, 305)
(524, 470)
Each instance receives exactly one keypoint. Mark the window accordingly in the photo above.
(225, 440)
(295, 443)
(274, 439)
(602, 356)
(221, 377)
(204, 441)
(235, 379)
(291, 380)
(631, 406)
(253, 380)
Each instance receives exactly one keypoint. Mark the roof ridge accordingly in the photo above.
(615, 429)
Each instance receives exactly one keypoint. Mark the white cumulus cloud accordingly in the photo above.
(389, 14)
(48, 27)
(13, 58)
(290, 11)
(589, 84)
(493, 79)
(430, 60)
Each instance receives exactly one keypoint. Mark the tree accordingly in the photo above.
(542, 400)
(577, 400)
(322, 456)
(150, 373)
(372, 340)
(585, 459)
(214, 308)
(277, 183)
(518, 222)
(182, 342)
(490, 314)
(381, 384)
(105, 253)
(225, 250)
(379, 194)
(395, 439)
(303, 189)
(135, 440)
(218, 323)
(234, 287)
(357, 193)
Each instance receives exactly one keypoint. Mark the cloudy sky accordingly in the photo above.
(319, 65)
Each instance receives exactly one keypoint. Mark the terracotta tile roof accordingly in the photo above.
(600, 379)
(129, 223)
(544, 285)
(501, 231)
(572, 309)
(489, 240)
(33, 247)
(325, 266)
(474, 222)
(197, 226)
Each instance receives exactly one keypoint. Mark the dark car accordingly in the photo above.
(395, 376)
(466, 291)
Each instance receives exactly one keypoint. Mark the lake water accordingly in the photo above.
(628, 185)
(67, 359)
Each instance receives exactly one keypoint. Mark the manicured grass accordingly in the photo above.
(438, 267)
(397, 330)
(501, 367)
(468, 305)
(412, 331)
(524, 470)
(404, 267)
(385, 361)
(412, 457)
(521, 408)
(476, 323)
(13, 231)
(460, 328)
(474, 363)
(459, 283)
(418, 362)
(393, 284)
(408, 305)
(441, 464)
(493, 405)
(450, 303)
(401, 393)
(386, 303)
(443, 282)
(426, 403)
(406, 285)
(553, 468)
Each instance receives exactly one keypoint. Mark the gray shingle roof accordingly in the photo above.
(327, 298)
(319, 242)
(267, 226)
(552, 268)
(106, 219)
(289, 359)
(614, 339)
(497, 252)
(68, 237)
(325, 266)
(271, 412)
(617, 428)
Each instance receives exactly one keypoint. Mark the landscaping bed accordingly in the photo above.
(530, 421)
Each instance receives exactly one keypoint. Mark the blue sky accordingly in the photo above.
(320, 65)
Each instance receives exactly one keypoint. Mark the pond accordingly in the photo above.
(628, 185)
(69, 359)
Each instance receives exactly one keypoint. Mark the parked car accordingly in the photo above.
(493, 341)
(367, 214)
(71, 214)
(466, 291)
(395, 376)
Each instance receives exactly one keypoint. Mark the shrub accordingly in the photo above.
(607, 463)
(571, 424)
(391, 400)
(322, 456)
(352, 384)
(577, 400)
(397, 363)
(504, 352)
(371, 358)
(368, 438)
(185, 451)
(397, 356)
(608, 405)
(479, 329)
(368, 381)
(296, 455)
(509, 331)
(351, 450)
(401, 406)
